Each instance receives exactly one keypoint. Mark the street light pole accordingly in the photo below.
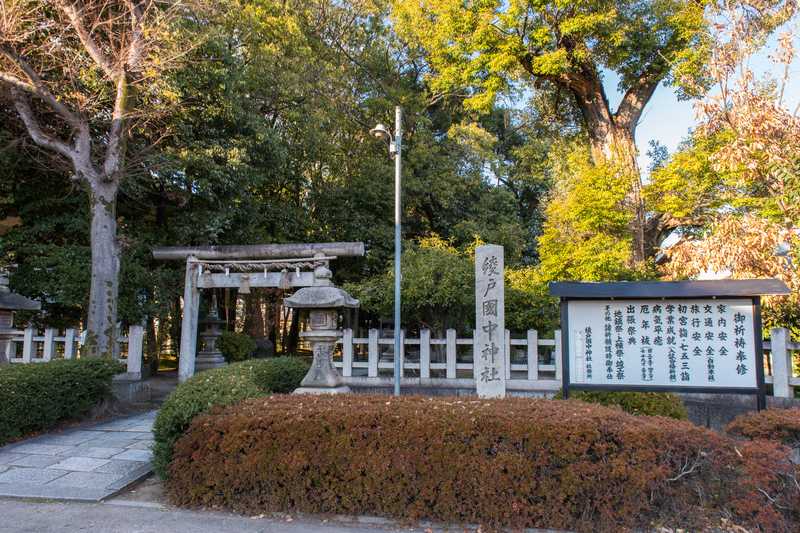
(396, 151)
(398, 166)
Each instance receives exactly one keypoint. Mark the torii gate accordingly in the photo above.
(259, 265)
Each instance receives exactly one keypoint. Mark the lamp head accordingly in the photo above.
(381, 132)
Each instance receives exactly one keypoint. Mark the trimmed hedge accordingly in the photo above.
(781, 425)
(236, 346)
(220, 386)
(501, 463)
(636, 403)
(37, 396)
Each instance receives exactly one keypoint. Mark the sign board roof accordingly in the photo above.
(669, 289)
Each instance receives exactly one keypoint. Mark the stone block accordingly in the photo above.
(97, 453)
(79, 464)
(35, 461)
(85, 480)
(30, 476)
(119, 468)
(7, 457)
(134, 455)
(39, 449)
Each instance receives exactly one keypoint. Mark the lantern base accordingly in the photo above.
(342, 389)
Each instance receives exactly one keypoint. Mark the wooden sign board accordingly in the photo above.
(664, 336)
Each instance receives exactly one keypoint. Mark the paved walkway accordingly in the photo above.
(18, 516)
(85, 464)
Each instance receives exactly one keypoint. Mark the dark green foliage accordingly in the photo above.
(34, 397)
(512, 463)
(636, 403)
(236, 346)
(220, 386)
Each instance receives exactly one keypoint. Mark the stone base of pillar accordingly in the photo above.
(342, 389)
(204, 362)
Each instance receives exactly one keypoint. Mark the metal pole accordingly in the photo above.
(398, 143)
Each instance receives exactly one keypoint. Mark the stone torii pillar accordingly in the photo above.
(261, 265)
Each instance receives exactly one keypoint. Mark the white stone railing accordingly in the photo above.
(363, 359)
(524, 372)
(784, 359)
(27, 346)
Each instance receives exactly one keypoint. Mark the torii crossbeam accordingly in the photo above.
(260, 265)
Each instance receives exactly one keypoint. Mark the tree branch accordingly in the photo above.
(116, 135)
(74, 12)
(44, 140)
(36, 86)
(636, 97)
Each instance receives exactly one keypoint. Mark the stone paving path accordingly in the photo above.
(88, 463)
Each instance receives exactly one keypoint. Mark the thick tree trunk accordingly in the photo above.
(102, 312)
(617, 145)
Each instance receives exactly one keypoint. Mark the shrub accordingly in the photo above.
(34, 397)
(236, 346)
(636, 403)
(502, 463)
(220, 386)
(781, 425)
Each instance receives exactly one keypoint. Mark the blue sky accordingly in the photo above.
(669, 120)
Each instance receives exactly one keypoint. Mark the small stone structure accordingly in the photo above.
(210, 356)
(10, 302)
(323, 302)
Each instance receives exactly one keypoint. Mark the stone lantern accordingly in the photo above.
(10, 302)
(323, 302)
(210, 356)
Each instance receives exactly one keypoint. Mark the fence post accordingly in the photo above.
(781, 363)
(27, 345)
(450, 351)
(69, 343)
(424, 353)
(49, 344)
(508, 354)
(347, 353)
(557, 354)
(135, 341)
(533, 355)
(372, 354)
(402, 353)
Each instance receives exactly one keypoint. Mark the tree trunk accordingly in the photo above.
(617, 144)
(612, 140)
(102, 313)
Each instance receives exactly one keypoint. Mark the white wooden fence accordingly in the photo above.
(27, 346)
(784, 363)
(533, 364)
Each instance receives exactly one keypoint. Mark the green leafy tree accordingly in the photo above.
(483, 49)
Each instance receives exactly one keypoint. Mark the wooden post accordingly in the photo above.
(402, 352)
(135, 344)
(781, 363)
(347, 353)
(557, 355)
(372, 354)
(49, 344)
(27, 345)
(191, 309)
(507, 340)
(69, 343)
(533, 355)
(424, 353)
(450, 350)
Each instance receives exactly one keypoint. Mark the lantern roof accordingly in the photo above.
(321, 297)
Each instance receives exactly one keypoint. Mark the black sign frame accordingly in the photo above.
(666, 291)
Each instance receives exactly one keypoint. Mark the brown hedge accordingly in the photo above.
(781, 425)
(501, 463)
